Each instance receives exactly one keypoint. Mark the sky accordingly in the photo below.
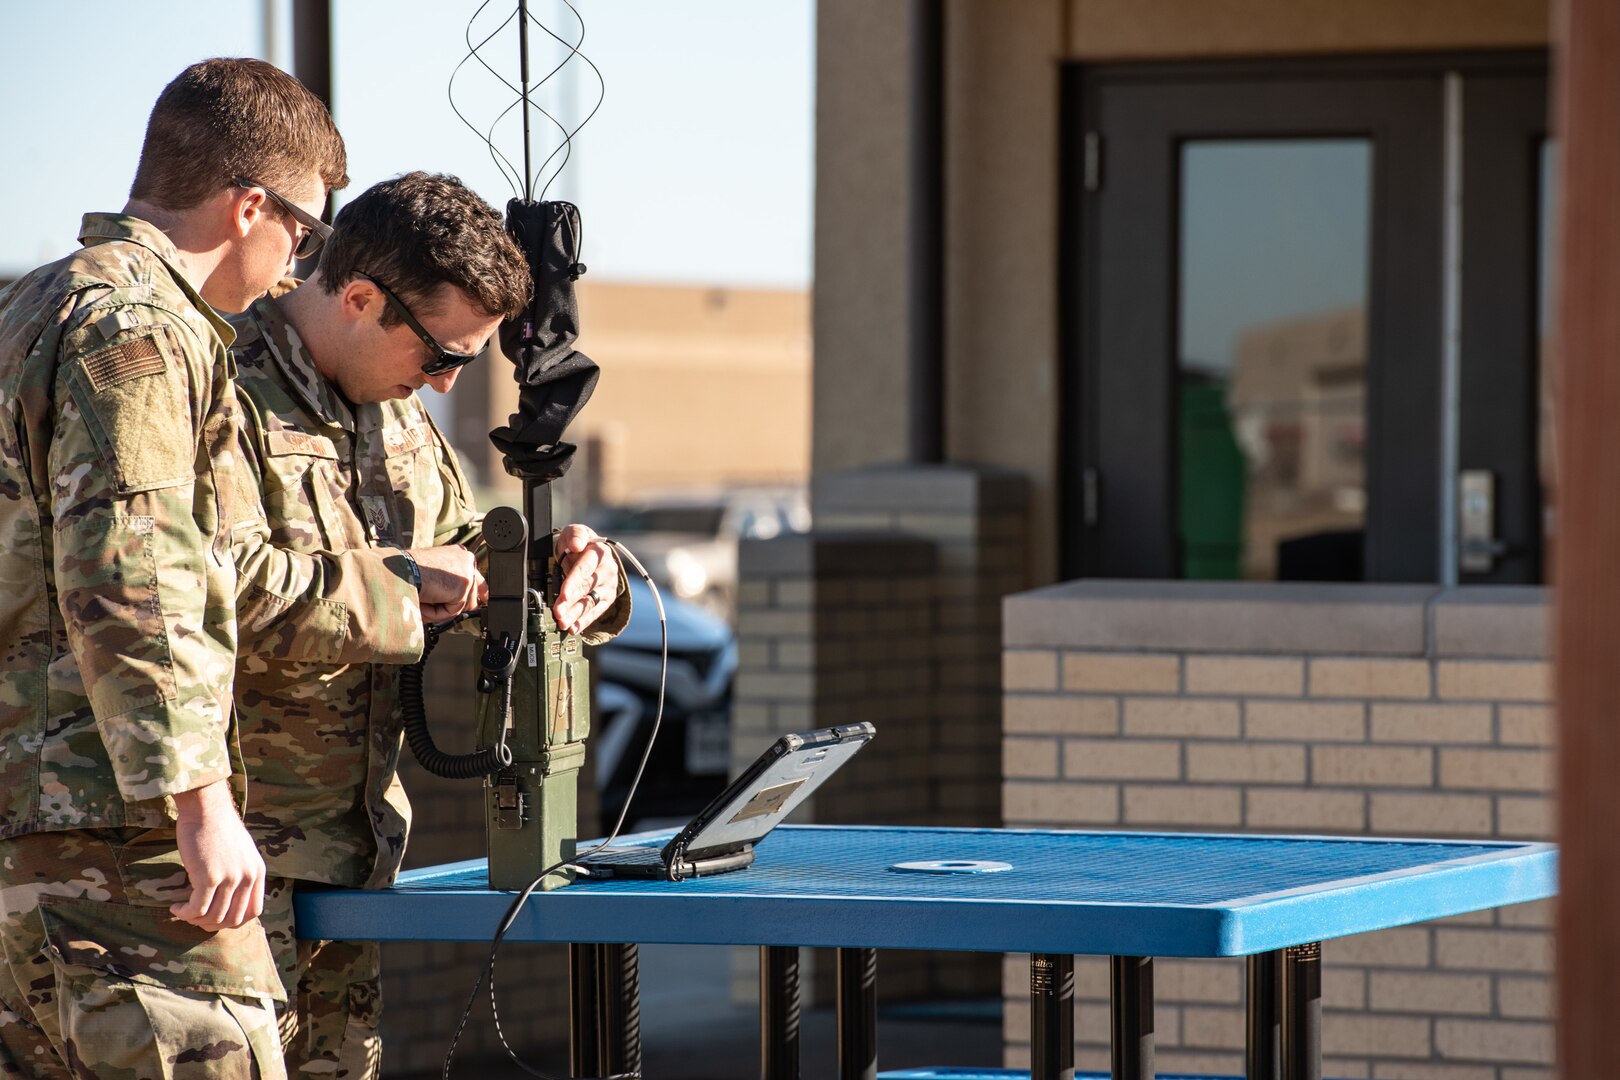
(697, 169)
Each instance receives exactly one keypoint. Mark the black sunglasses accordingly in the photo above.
(319, 231)
(443, 359)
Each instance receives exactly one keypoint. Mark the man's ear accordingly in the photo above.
(247, 207)
(360, 299)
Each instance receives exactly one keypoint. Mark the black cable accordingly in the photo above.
(516, 906)
(479, 763)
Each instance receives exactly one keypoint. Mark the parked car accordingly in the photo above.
(689, 761)
(688, 539)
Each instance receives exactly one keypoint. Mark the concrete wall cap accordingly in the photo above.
(804, 554)
(1223, 617)
(1493, 621)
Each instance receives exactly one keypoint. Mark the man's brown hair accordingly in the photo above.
(421, 230)
(230, 117)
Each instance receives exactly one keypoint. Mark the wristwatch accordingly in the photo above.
(415, 571)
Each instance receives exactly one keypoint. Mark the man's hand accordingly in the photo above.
(451, 583)
(224, 867)
(590, 578)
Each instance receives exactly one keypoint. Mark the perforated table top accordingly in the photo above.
(1134, 894)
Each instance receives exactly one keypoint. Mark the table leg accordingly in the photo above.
(1051, 1016)
(1263, 1042)
(857, 1014)
(1302, 1012)
(778, 1012)
(620, 970)
(604, 1009)
(583, 1019)
(1131, 1001)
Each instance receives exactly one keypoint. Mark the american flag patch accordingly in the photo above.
(129, 359)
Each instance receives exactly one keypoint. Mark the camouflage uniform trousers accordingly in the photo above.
(334, 997)
(99, 980)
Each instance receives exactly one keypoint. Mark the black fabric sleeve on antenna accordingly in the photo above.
(555, 380)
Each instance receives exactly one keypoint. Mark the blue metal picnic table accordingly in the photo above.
(1053, 894)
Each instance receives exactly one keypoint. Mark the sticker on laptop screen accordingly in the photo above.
(767, 801)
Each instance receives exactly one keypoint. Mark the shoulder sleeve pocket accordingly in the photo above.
(133, 393)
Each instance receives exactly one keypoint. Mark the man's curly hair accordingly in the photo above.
(419, 231)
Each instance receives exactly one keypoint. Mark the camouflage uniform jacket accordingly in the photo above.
(322, 740)
(117, 502)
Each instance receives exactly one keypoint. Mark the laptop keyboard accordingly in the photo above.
(627, 856)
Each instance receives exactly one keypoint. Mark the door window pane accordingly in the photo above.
(1272, 354)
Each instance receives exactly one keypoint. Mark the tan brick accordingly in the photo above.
(1121, 672)
(1426, 815)
(1497, 770)
(1251, 763)
(794, 592)
(1371, 678)
(773, 623)
(1060, 715)
(1091, 1023)
(1245, 676)
(1147, 804)
(1029, 669)
(1205, 981)
(1423, 992)
(1344, 988)
(1529, 1074)
(1496, 1041)
(1036, 758)
(775, 685)
(1211, 1028)
(1183, 717)
(1372, 766)
(1035, 803)
(1403, 947)
(1526, 817)
(1385, 1036)
(1431, 723)
(1493, 950)
(1525, 725)
(1121, 759)
(796, 654)
(1526, 998)
(1346, 1068)
(1495, 681)
(753, 594)
(1305, 721)
(754, 653)
(1308, 810)
(1534, 915)
(1410, 1070)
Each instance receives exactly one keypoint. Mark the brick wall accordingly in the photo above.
(889, 613)
(1368, 710)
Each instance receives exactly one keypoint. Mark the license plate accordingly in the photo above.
(708, 743)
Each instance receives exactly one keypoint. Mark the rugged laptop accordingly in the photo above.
(722, 837)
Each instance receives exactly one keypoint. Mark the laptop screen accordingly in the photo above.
(771, 788)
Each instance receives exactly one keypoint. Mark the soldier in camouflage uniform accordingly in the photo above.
(129, 888)
(418, 273)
